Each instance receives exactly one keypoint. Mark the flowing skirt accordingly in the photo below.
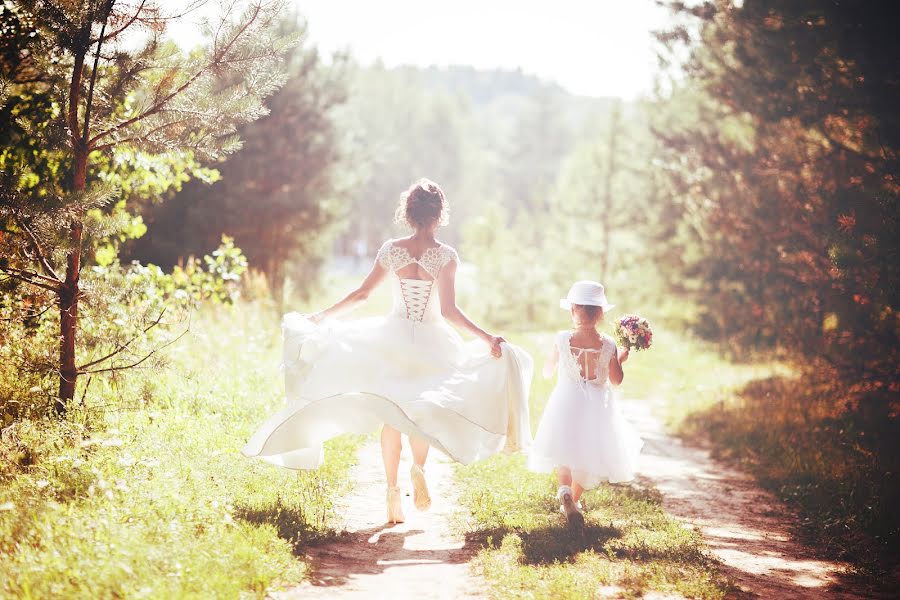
(583, 428)
(419, 377)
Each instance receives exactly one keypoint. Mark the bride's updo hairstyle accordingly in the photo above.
(421, 205)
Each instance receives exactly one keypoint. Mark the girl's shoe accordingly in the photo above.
(577, 505)
(421, 498)
(569, 508)
(394, 510)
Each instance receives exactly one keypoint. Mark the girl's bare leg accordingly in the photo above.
(569, 497)
(390, 453)
(564, 475)
(577, 490)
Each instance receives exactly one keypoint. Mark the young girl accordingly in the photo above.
(582, 434)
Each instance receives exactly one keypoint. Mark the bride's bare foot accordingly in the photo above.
(421, 498)
(394, 510)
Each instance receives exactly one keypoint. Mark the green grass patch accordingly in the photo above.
(143, 492)
(629, 545)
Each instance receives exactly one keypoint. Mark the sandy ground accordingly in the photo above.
(746, 528)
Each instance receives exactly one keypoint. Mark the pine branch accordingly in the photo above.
(23, 273)
(158, 106)
(142, 136)
(842, 146)
(33, 314)
(122, 347)
(130, 22)
(42, 258)
(138, 362)
(26, 277)
(191, 7)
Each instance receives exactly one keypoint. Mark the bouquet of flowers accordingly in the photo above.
(633, 332)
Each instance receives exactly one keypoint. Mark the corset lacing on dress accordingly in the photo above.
(413, 298)
(416, 293)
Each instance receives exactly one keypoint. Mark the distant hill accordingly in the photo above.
(499, 95)
(483, 87)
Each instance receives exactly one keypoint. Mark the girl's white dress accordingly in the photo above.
(582, 426)
(408, 369)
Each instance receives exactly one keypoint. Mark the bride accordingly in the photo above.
(408, 370)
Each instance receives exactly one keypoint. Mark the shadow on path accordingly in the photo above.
(421, 558)
(373, 551)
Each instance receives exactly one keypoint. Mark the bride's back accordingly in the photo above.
(417, 250)
(415, 266)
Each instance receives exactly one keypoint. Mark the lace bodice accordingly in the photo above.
(393, 258)
(415, 299)
(573, 361)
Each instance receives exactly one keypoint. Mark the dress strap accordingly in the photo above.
(383, 257)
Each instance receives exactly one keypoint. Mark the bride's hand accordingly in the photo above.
(494, 342)
(316, 317)
(623, 354)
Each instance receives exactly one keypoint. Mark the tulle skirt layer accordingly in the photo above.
(583, 428)
(418, 377)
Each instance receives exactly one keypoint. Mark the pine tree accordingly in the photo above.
(785, 174)
(88, 78)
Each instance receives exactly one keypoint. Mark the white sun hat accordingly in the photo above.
(588, 293)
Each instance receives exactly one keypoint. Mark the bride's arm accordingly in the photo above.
(454, 314)
(356, 297)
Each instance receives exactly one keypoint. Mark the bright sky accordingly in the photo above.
(590, 47)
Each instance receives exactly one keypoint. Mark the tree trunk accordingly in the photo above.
(69, 293)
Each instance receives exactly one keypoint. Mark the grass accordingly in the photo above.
(143, 492)
(629, 546)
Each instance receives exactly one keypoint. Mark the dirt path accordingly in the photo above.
(746, 528)
(418, 559)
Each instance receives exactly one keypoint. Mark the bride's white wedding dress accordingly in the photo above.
(408, 369)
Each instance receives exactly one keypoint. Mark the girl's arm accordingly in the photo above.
(616, 374)
(453, 313)
(551, 363)
(354, 298)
